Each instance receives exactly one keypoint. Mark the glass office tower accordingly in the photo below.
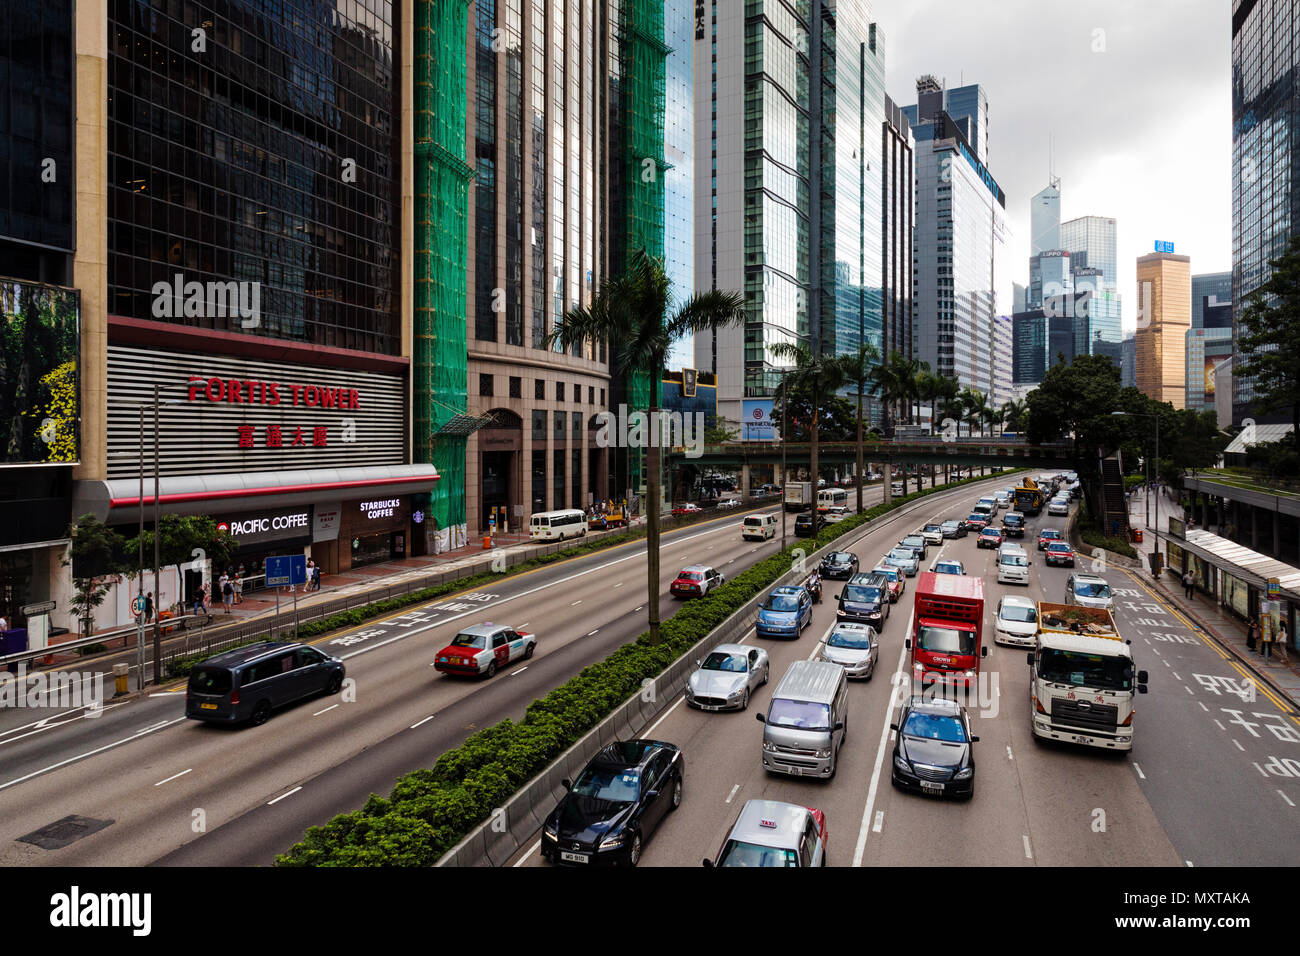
(1265, 150)
(679, 149)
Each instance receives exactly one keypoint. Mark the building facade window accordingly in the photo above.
(516, 387)
(485, 385)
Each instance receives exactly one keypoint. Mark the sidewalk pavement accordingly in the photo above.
(1218, 622)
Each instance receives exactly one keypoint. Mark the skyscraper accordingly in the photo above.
(794, 209)
(1212, 300)
(1265, 157)
(1165, 299)
(1209, 340)
(960, 231)
(1045, 219)
(679, 151)
(1091, 242)
(898, 180)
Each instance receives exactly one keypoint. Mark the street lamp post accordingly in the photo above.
(784, 403)
(1155, 471)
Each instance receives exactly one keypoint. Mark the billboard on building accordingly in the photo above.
(756, 415)
(40, 395)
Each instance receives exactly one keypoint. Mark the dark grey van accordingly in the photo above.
(246, 684)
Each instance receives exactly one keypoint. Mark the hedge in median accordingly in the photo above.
(431, 810)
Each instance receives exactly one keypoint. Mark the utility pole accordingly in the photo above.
(784, 403)
(157, 603)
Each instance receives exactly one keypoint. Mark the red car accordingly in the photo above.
(1059, 552)
(1047, 536)
(989, 538)
(686, 509)
(696, 581)
(897, 581)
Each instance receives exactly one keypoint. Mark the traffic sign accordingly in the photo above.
(137, 604)
(286, 570)
(1274, 589)
(44, 607)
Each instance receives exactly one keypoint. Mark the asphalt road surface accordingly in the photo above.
(1212, 778)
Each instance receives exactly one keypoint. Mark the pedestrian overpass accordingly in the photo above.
(958, 452)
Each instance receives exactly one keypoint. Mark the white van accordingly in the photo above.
(1013, 565)
(759, 527)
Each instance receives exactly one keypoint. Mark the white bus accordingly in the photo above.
(832, 497)
(558, 525)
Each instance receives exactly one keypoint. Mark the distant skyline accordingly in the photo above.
(1136, 100)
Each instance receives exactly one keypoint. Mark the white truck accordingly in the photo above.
(798, 495)
(1082, 683)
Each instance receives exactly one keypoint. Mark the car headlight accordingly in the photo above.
(824, 752)
(964, 774)
(840, 612)
(612, 843)
(551, 831)
(737, 695)
(769, 747)
(901, 764)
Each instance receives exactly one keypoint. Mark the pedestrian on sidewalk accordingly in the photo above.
(315, 578)
(306, 585)
(1281, 643)
(1189, 587)
(227, 593)
(148, 607)
(1266, 643)
(1252, 634)
(237, 586)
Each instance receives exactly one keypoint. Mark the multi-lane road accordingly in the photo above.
(180, 792)
(1212, 779)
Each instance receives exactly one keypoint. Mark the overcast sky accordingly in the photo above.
(1141, 129)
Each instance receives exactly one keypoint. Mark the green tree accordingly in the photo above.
(1268, 338)
(96, 557)
(720, 434)
(1013, 414)
(818, 377)
(630, 312)
(183, 539)
(859, 370)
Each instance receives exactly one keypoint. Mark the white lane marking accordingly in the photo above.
(1175, 673)
(1239, 746)
(634, 610)
(172, 777)
(1009, 754)
(1139, 772)
(576, 603)
(596, 631)
(45, 723)
(879, 821)
(325, 711)
(1262, 772)
(531, 850)
(520, 671)
(506, 600)
(861, 848)
(283, 795)
(1029, 854)
(1286, 798)
(619, 585)
(1189, 690)
(169, 693)
(649, 730)
(425, 721)
(1166, 663)
(90, 753)
(1221, 727)
(731, 796)
(1156, 652)
(1203, 707)
(1188, 862)
(525, 624)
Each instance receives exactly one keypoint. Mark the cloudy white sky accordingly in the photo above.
(1141, 128)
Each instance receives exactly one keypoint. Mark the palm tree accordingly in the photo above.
(817, 376)
(630, 312)
(859, 370)
(890, 384)
(1013, 412)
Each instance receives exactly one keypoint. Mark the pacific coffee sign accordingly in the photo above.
(267, 526)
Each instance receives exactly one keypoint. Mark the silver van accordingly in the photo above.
(1013, 564)
(804, 726)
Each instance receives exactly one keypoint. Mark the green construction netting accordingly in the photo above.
(441, 207)
(643, 62)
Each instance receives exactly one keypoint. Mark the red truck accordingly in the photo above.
(948, 629)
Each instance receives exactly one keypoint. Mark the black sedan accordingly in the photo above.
(808, 524)
(839, 565)
(865, 600)
(933, 752)
(615, 804)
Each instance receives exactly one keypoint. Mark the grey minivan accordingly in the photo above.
(246, 684)
(804, 727)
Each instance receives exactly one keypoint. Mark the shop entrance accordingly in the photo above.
(499, 451)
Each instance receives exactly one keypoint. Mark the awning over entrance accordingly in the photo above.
(117, 500)
(1241, 562)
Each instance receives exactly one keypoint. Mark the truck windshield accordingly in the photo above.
(1085, 670)
(945, 640)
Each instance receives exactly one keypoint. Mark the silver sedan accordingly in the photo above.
(904, 559)
(725, 679)
(855, 647)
